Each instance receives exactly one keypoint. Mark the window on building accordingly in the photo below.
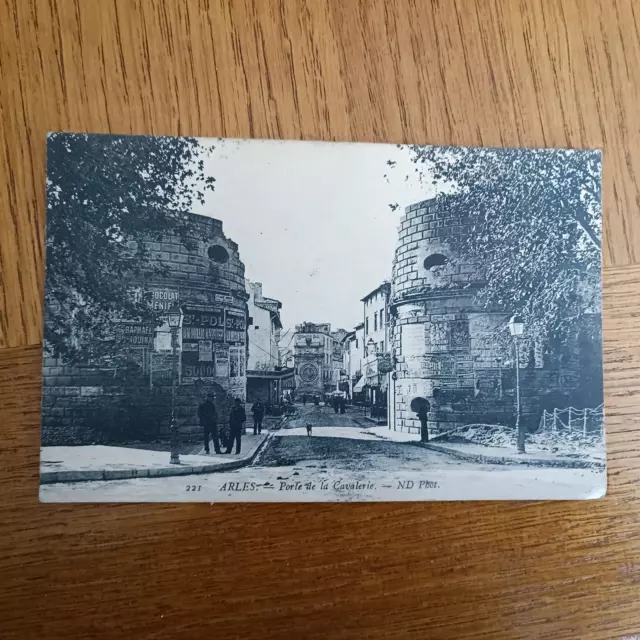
(366, 326)
(435, 260)
(381, 347)
(381, 318)
(375, 321)
(218, 253)
(357, 344)
(256, 327)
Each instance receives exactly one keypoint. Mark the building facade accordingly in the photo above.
(446, 348)
(92, 402)
(376, 351)
(265, 325)
(318, 358)
(265, 373)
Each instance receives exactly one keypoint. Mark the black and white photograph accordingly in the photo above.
(262, 320)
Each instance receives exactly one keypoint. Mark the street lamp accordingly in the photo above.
(516, 328)
(174, 319)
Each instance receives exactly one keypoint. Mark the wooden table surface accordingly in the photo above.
(470, 72)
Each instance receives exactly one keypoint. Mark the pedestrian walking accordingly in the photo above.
(336, 404)
(423, 414)
(209, 422)
(343, 404)
(258, 415)
(237, 417)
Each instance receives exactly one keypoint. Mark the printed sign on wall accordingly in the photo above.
(236, 326)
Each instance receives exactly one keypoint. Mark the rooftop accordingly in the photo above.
(385, 286)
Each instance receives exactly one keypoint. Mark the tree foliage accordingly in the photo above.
(105, 195)
(534, 228)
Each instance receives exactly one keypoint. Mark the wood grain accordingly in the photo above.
(535, 73)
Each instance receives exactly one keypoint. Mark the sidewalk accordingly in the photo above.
(472, 452)
(99, 462)
(500, 455)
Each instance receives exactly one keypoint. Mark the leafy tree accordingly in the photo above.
(531, 221)
(105, 195)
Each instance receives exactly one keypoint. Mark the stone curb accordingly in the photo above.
(566, 463)
(52, 477)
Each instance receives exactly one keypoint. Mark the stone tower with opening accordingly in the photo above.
(447, 347)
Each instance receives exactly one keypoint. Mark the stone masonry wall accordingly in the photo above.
(82, 404)
(443, 341)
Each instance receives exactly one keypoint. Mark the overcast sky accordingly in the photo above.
(312, 220)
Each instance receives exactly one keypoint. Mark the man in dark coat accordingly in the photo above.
(343, 404)
(258, 415)
(209, 423)
(237, 417)
(423, 414)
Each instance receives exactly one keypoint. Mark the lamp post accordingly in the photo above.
(174, 319)
(516, 328)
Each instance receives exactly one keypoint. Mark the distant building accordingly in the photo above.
(318, 358)
(353, 354)
(265, 374)
(264, 329)
(376, 352)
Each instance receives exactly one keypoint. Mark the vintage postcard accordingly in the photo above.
(251, 320)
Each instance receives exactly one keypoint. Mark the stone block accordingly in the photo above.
(90, 391)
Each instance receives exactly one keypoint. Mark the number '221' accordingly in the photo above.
(194, 487)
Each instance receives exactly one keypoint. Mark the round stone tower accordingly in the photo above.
(204, 274)
(447, 347)
(198, 268)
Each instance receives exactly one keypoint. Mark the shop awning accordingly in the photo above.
(358, 387)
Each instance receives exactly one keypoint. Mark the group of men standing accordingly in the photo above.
(208, 417)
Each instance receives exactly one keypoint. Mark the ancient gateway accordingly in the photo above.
(447, 348)
(203, 274)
